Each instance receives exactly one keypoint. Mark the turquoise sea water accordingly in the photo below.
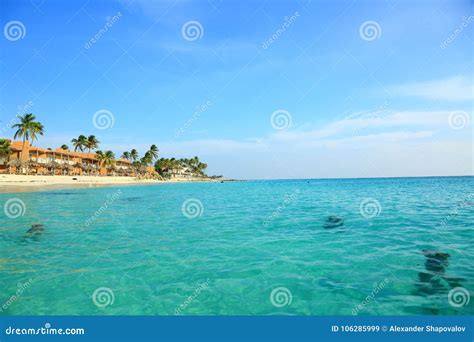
(304, 247)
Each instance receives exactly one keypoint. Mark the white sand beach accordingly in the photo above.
(21, 183)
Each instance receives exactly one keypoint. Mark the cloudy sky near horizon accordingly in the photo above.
(257, 89)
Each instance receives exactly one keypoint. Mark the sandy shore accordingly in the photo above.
(21, 183)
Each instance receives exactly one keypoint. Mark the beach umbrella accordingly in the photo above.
(53, 166)
(68, 168)
(14, 163)
(27, 164)
(86, 168)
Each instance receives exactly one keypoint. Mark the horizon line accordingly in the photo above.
(348, 178)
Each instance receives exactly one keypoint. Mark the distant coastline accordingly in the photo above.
(28, 183)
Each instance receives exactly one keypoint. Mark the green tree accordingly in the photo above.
(28, 129)
(80, 143)
(5, 148)
(5, 151)
(146, 159)
(106, 158)
(153, 151)
(92, 143)
(126, 155)
(134, 155)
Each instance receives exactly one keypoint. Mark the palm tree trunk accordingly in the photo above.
(23, 150)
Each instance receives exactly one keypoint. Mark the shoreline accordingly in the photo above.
(33, 183)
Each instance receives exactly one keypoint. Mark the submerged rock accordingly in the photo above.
(132, 199)
(36, 229)
(432, 280)
(436, 261)
(333, 222)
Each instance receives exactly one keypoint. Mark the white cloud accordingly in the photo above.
(406, 143)
(361, 124)
(458, 88)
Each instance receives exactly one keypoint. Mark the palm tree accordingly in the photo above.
(147, 158)
(134, 155)
(106, 158)
(153, 151)
(64, 147)
(200, 168)
(194, 161)
(92, 143)
(167, 167)
(79, 143)
(126, 155)
(5, 147)
(28, 129)
(150, 156)
(196, 166)
(171, 166)
(5, 150)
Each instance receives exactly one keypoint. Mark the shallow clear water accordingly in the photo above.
(255, 248)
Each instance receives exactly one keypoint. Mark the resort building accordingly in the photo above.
(27, 159)
(181, 173)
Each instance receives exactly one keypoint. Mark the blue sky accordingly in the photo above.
(392, 100)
